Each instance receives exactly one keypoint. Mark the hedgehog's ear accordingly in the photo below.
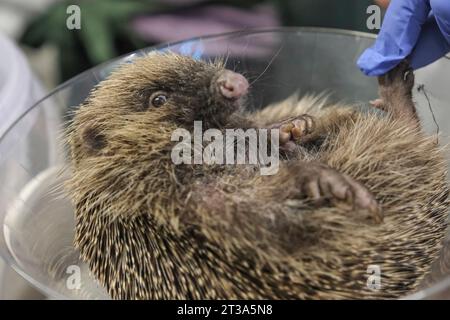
(93, 139)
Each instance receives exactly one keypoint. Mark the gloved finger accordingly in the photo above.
(441, 12)
(398, 35)
(431, 45)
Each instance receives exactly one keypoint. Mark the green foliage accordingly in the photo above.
(105, 31)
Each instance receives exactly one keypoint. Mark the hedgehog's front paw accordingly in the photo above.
(294, 130)
(320, 182)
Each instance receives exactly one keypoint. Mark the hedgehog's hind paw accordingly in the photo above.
(379, 104)
(319, 183)
(400, 78)
(395, 91)
(361, 199)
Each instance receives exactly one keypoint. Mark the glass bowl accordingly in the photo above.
(37, 221)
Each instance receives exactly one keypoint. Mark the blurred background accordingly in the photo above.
(113, 27)
(37, 46)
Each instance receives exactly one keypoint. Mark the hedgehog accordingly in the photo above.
(357, 208)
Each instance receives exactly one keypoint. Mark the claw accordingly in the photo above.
(294, 129)
(321, 182)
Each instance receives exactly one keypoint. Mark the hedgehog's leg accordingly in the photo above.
(294, 130)
(319, 182)
(395, 90)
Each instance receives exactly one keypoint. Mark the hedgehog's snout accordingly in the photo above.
(232, 85)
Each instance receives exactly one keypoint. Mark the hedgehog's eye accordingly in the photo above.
(158, 99)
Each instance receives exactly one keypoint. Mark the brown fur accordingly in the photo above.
(150, 229)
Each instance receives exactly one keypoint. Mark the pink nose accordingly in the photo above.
(232, 85)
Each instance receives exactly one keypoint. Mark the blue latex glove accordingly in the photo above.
(417, 29)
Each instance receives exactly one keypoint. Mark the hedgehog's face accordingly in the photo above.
(152, 96)
(183, 89)
(175, 87)
(187, 90)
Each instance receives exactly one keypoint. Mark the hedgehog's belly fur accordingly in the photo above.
(404, 170)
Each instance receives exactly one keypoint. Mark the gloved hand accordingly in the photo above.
(417, 29)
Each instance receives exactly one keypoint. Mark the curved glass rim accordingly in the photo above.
(55, 294)
(171, 44)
